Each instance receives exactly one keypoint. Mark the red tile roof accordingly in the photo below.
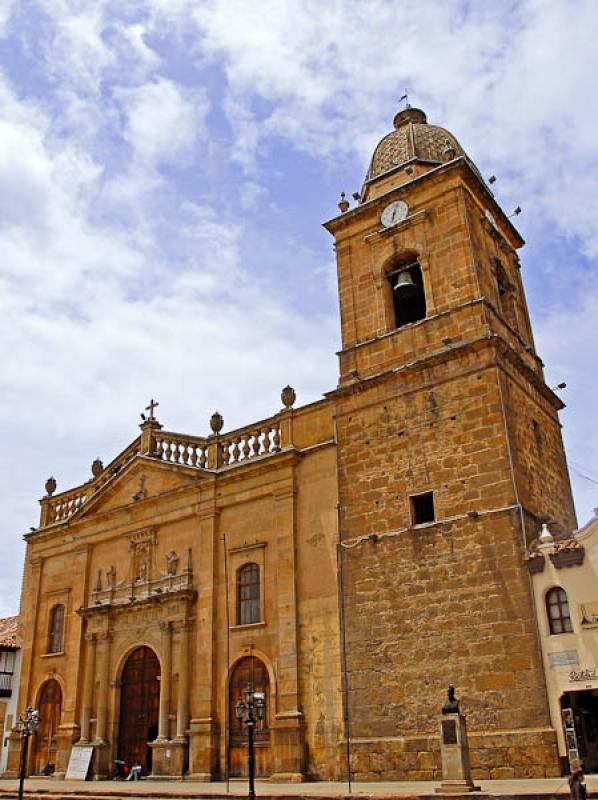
(9, 637)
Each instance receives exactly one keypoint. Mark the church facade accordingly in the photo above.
(348, 558)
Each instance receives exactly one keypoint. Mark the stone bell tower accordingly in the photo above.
(449, 457)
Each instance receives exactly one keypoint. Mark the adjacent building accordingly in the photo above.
(565, 579)
(349, 558)
(10, 667)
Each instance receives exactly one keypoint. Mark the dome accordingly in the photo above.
(412, 139)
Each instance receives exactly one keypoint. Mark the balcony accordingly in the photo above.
(5, 684)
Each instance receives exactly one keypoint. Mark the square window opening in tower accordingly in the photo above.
(422, 508)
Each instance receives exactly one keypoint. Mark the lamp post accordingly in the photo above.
(249, 712)
(27, 724)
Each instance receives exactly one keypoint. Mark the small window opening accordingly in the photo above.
(557, 609)
(422, 508)
(408, 296)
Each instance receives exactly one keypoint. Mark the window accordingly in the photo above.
(408, 297)
(506, 294)
(248, 594)
(56, 629)
(422, 508)
(557, 608)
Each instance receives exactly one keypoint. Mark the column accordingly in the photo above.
(102, 672)
(90, 667)
(165, 681)
(182, 715)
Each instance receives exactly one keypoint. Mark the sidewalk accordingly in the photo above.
(48, 789)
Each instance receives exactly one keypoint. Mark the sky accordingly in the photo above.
(165, 167)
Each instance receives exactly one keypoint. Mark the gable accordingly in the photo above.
(142, 479)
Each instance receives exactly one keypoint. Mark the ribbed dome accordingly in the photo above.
(413, 138)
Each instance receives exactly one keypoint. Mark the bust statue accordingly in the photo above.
(451, 704)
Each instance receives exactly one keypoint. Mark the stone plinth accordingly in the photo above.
(168, 758)
(454, 756)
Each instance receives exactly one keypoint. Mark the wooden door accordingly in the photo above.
(44, 741)
(139, 708)
(249, 672)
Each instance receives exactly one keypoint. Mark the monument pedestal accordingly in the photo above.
(454, 754)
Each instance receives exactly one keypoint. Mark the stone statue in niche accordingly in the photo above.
(142, 572)
(98, 586)
(111, 577)
(451, 704)
(172, 563)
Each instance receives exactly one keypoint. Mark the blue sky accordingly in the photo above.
(165, 167)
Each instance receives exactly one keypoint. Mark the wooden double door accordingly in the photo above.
(249, 673)
(44, 740)
(139, 708)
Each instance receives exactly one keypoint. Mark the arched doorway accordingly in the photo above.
(139, 707)
(249, 672)
(44, 741)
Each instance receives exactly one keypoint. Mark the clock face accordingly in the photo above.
(394, 213)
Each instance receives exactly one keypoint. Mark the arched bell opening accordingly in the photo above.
(249, 673)
(406, 288)
(139, 708)
(45, 739)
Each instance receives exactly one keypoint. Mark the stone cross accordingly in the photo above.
(153, 404)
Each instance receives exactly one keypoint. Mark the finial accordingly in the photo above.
(343, 203)
(546, 536)
(405, 97)
(50, 486)
(449, 151)
(216, 422)
(288, 396)
(97, 468)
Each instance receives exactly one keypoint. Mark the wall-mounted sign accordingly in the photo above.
(588, 615)
(563, 658)
(583, 674)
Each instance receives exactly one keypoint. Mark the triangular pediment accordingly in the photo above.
(143, 478)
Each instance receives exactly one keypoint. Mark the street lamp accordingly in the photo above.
(27, 724)
(249, 712)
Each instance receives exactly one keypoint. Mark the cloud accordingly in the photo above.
(162, 121)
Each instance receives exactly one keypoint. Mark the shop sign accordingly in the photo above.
(583, 674)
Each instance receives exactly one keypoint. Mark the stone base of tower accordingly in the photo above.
(529, 753)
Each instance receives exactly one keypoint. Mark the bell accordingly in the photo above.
(405, 287)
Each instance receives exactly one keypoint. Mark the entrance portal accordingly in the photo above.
(249, 672)
(139, 708)
(584, 706)
(44, 748)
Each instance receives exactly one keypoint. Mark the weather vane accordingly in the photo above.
(405, 97)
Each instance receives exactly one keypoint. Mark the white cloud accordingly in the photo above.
(163, 121)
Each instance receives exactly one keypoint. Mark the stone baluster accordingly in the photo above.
(165, 681)
(90, 668)
(103, 667)
(182, 716)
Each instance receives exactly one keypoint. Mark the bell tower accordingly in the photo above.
(449, 457)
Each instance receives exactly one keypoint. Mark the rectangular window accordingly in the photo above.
(422, 508)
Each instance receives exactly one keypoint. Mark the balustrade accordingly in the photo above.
(236, 447)
(247, 444)
(191, 451)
